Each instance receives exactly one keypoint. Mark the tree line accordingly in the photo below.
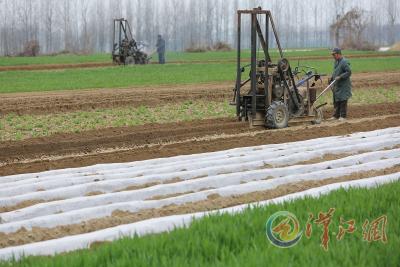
(86, 25)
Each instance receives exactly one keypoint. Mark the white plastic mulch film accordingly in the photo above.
(72, 196)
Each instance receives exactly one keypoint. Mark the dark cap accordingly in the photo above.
(336, 50)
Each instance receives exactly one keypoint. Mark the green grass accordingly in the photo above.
(59, 59)
(173, 56)
(112, 77)
(115, 77)
(14, 127)
(240, 240)
(369, 96)
(289, 53)
(357, 64)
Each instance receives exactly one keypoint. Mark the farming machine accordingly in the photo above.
(272, 94)
(125, 49)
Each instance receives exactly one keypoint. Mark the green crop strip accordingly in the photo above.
(240, 240)
(14, 127)
(144, 76)
(175, 56)
(18, 127)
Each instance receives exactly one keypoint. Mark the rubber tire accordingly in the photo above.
(277, 116)
(319, 116)
(300, 111)
(130, 60)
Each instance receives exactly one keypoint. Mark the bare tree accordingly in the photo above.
(226, 11)
(139, 18)
(192, 18)
(87, 24)
(84, 18)
(35, 20)
(148, 21)
(129, 11)
(339, 7)
(235, 22)
(23, 12)
(351, 27)
(392, 12)
(48, 23)
(64, 11)
(175, 26)
(4, 28)
(100, 25)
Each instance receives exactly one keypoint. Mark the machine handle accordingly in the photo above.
(326, 89)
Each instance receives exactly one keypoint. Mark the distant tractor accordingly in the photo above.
(125, 49)
(272, 97)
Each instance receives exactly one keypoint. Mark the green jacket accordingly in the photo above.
(342, 90)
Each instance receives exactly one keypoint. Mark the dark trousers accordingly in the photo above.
(161, 58)
(340, 109)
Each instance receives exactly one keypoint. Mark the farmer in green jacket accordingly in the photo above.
(342, 89)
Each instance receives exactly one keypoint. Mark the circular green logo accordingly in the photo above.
(286, 232)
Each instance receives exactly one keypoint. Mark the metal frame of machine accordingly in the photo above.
(125, 48)
(274, 95)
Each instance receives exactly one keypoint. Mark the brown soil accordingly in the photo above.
(375, 79)
(155, 141)
(214, 201)
(327, 157)
(395, 47)
(136, 187)
(23, 204)
(94, 193)
(109, 64)
(56, 66)
(51, 102)
(170, 195)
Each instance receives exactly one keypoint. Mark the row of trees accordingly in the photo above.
(86, 25)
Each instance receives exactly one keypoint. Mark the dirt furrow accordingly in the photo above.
(163, 140)
(64, 101)
(55, 66)
(52, 102)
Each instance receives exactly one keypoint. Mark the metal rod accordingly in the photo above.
(253, 64)
(239, 69)
(123, 25)
(267, 33)
(325, 90)
(278, 43)
(263, 43)
(130, 37)
(120, 38)
(245, 82)
(266, 81)
(253, 11)
(113, 41)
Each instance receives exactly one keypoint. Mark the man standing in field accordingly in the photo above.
(342, 88)
(161, 49)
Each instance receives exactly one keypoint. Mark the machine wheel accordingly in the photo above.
(129, 60)
(292, 111)
(318, 116)
(277, 116)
